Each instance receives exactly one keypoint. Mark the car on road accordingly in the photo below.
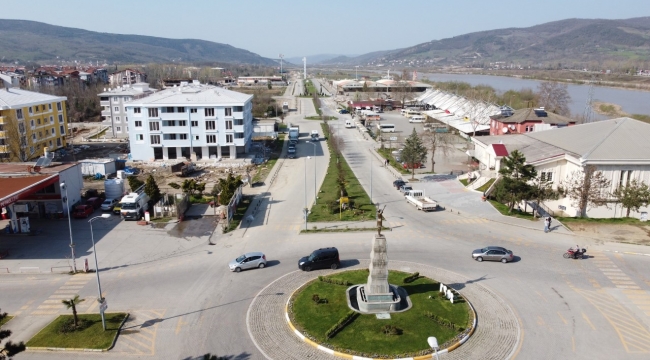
(291, 150)
(95, 202)
(399, 183)
(109, 204)
(343, 111)
(82, 211)
(248, 261)
(405, 188)
(326, 258)
(493, 253)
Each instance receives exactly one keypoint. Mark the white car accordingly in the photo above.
(109, 204)
(248, 261)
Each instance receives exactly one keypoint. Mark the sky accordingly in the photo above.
(297, 28)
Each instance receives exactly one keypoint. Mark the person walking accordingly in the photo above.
(386, 163)
(547, 224)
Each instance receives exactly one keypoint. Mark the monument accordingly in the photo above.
(377, 295)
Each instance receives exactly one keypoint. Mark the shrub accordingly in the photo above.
(315, 298)
(334, 281)
(391, 330)
(411, 278)
(68, 325)
(343, 322)
(442, 321)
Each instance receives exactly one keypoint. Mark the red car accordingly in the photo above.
(83, 211)
(412, 166)
(95, 202)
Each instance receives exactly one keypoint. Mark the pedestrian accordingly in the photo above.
(386, 163)
(547, 224)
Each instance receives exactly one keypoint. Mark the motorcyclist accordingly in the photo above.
(577, 252)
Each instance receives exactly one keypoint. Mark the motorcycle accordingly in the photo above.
(572, 254)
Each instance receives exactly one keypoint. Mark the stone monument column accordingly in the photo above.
(378, 276)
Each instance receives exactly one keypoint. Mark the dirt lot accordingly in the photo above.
(633, 234)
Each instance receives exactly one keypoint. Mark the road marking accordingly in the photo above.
(584, 316)
(540, 321)
(541, 296)
(627, 287)
(60, 306)
(179, 324)
(573, 343)
(562, 317)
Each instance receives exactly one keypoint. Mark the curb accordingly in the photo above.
(354, 357)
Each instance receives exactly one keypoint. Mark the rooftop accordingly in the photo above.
(14, 169)
(126, 90)
(193, 93)
(530, 114)
(12, 98)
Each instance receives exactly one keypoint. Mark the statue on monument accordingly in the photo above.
(380, 218)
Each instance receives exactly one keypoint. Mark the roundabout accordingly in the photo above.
(496, 334)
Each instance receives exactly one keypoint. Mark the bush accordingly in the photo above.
(315, 298)
(442, 321)
(68, 325)
(411, 278)
(348, 318)
(334, 281)
(391, 330)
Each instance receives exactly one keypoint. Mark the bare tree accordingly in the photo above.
(587, 188)
(554, 97)
(437, 142)
(14, 143)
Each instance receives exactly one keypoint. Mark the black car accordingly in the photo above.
(327, 258)
(398, 183)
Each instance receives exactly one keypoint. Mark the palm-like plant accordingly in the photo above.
(72, 304)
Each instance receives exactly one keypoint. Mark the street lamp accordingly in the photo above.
(66, 201)
(315, 190)
(305, 210)
(433, 343)
(100, 299)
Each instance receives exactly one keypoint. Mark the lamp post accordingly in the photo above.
(305, 210)
(433, 343)
(100, 299)
(67, 204)
(315, 190)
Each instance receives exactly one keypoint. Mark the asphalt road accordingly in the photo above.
(185, 302)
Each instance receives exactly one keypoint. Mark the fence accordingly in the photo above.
(232, 205)
(171, 205)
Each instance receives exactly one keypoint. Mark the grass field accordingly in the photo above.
(239, 213)
(364, 334)
(503, 209)
(5, 320)
(92, 337)
(265, 169)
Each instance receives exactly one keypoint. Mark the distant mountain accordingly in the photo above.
(24, 40)
(360, 59)
(315, 59)
(566, 41)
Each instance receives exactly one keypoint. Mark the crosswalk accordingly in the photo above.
(138, 335)
(53, 305)
(446, 222)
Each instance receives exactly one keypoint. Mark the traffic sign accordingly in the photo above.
(103, 306)
(393, 138)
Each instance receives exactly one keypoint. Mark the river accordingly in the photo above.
(632, 101)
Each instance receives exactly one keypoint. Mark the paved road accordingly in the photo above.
(185, 302)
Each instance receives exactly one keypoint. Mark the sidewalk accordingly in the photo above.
(371, 225)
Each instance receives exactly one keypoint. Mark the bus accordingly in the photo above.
(411, 112)
(386, 127)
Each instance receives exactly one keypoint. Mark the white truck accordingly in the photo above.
(420, 201)
(294, 133)
(348, 124)
(133, 205)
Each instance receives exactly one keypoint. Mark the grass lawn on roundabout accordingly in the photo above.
(91, 337)
(364, 334)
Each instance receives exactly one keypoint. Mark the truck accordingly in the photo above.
(420, 201)
(285, 107)
(294, 132)
(348, 124)
(314, 135)
(133, 205)
(183, 168)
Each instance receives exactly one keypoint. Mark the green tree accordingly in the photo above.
(192, 187)
(224, 189)
(72, 304)
(586, 188)
(632, 196)
(9, 349)
(540, 191)
(514, 187)
(151, 189)
(134, 183)
(414, 152)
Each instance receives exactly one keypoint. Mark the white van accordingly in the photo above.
(386, 127)
(417, 119)
(348, 124)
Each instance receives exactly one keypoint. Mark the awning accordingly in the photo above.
(18, 188)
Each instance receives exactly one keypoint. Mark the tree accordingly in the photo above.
(554, 97)
(15, 139)
(192, 187)
(586, 188)
(9, 349)
(151, 189)
(134, 183)
(514, 187)
(72, 304)
(541, 190)
(436, 141)
(414, 152)
(632, 196)
(225, 188)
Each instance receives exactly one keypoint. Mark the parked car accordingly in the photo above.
(399, 183)
(412, 166)
(109, 204)
(248, 261)
(327, 258)
(493, 253)
(404, 188)
(343, 111)
(82, 211)
(95, 202)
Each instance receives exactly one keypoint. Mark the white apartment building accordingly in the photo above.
(206, 120)
(112, 102)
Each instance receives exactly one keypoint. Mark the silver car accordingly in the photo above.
(493, 253)
(248, 261)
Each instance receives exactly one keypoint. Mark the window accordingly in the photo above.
(196, 137)
(118, 129)
(195, 123)
(153, 112)
(2, 127)
(49, 107)
(229, 138)
(58, 106)
(31, 110)
(154, 126)
(211, 139)
(210, 125)
(33, 136)
(58, 142)
(239, 135)
(546, 176)
(138, 123)
(182, 122)
(136, 110)
(19, 114)
(115, 99)
(60, 119)
(51, 119)
(31, 123)
(117, 119)
(38, 121)
(238, 108)
(40, 134)
(180, 109)
(193, 110)
(169, 109)
(62, 129)
(139, 137)
(209, 112)
(169, 123)
(182, 136)
(116, 108)
(626, 176)
(228, 111)
(239, 121)
(104, 98)
(155, 139)
(228, 124)
(169, 136)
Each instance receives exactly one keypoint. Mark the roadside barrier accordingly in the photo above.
(5, 269)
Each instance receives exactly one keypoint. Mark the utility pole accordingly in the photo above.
(304, 64)
(281, 57)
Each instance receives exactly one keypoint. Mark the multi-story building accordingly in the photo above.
(206, 120)
(127, 77)
(29, 122)
(113, 110)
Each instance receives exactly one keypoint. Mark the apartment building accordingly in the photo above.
(127, 77)
(112, 102)
(206, 120)
(29, 122)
